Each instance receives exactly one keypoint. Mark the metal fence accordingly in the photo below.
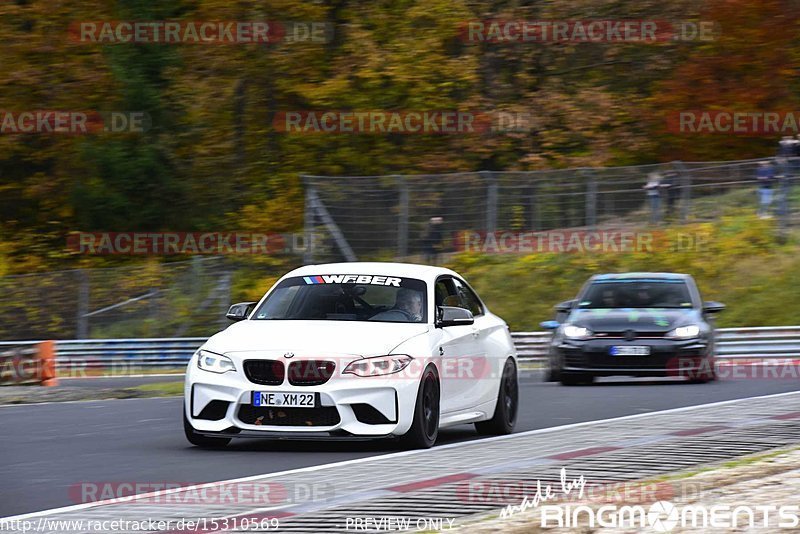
(147, 300)
(126, 355)
(377, 218)
(389, 217)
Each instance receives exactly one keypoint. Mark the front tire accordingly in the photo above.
(705, 375)
(425, 427)
(505, 412)
(554, 364)
(200, 440)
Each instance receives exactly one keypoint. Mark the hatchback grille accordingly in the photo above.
(266, 372)
(622, 335)
(258, 415)
(310, 372)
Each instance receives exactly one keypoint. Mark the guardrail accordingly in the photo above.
(152, 353)
(156, 353)
(732, 343)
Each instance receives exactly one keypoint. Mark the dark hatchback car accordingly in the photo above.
(634, 324)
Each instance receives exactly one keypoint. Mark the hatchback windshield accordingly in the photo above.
(633, 293)
(347, 297)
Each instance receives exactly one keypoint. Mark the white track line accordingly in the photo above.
(84, 506)
(29, 404)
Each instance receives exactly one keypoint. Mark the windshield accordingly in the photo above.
(347, 297)
(635, 293)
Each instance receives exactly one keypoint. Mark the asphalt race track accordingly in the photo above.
(47, 449)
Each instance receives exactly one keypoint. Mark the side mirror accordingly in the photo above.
(452, 316)
(240, 311)
(713, 307)
(550, 325)
(566, 306)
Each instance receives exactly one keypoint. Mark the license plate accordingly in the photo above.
(283, 399)
(630, 350)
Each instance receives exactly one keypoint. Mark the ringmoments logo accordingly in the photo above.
(664, 516)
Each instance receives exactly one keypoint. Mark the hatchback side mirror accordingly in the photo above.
(240, 311)
(713, 307)
(550, 325)
(452, 316)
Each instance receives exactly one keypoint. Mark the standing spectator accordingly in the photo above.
(765, 175)
(787, 147)
(794, 163)
(795, 158)
(670, 187)
(787, 168)
(786, 151)
(653, 188)
(432, 241)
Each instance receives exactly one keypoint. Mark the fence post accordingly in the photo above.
(591, 198)
(82, 326)
(402, 223)
(784, 196)
(225, 297)
(491, 200)
(308, 221)
(686, 191)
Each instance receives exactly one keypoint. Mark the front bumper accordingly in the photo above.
(348, 407)
(667, 357)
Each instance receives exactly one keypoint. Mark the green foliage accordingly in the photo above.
(213, 159)
(739, 262)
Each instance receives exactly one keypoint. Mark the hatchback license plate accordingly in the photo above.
(630, 350)
(282, 399)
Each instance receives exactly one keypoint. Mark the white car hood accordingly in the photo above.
(314, 338)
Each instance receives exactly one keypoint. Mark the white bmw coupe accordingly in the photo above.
(355, 351)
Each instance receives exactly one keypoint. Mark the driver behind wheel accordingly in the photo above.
(407, 308)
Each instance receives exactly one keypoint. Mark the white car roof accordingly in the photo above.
(403, 270)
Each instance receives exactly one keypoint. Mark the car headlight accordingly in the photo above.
(576, 332)
(216, 363)
(684, 332)
(378, 365)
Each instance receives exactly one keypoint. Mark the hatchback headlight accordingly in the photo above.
(576, 332)
(215, 363)
(378, 365)
(684, 332)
